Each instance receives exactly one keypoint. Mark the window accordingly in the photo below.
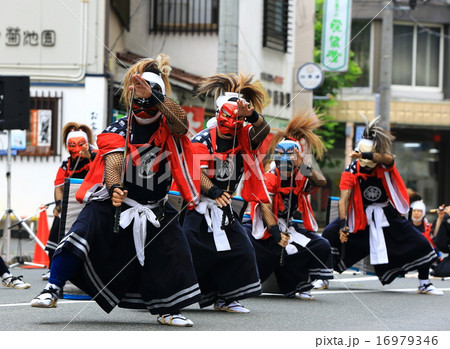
(416, 55)
(276, 30)
(42, 137)
(360, 46)
(183, 16)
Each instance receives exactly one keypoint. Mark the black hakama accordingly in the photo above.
(112, 275)
(407, 249)
(53, 237)
(299, 270)
(227, 275)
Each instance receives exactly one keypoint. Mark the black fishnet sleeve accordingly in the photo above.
(316, 179)
(268, 215)
(259, 133)
(176, 116)
(205, 182)
(113, 168)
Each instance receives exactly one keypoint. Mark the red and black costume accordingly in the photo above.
(67, 168)
(308, 254)
(224, 259)
(394, 244)
(72, 167)
(128, 268)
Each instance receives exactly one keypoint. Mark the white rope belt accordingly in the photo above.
(377, 221)
(213, 216)
(295, 236)
(141, 214)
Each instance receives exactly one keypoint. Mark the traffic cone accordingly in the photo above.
(40, 257)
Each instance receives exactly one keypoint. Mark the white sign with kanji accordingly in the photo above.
(336, 26)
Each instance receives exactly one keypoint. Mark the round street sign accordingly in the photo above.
(310, 76)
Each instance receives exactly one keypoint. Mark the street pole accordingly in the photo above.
(6, 230)
(384, 88)
(228, 36)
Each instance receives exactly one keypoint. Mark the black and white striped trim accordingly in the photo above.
(242, 291)
(390, 275)
(169, 302)
(51, 246)
(321, 272)
(301, 287)
(77, 241)
(101, 288)
(208, 298)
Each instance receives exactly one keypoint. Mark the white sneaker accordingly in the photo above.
(429, 289)
(233, 307)
(15, 282)
(320, 284)
(47, 298)
(46, 275)
(175, 320)
(306, 296)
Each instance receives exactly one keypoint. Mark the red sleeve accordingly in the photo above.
(201, 152)
(60, 176)
(347, 181)
(271, 182)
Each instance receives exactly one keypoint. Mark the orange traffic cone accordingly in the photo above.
(40, 258)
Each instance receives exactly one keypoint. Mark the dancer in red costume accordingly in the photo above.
(146, 263)
(294, 174)
(223, 256)
(371, 222)
(79, 142)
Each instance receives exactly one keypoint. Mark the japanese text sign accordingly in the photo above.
(336, 34)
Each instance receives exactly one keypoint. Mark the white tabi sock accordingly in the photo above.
(424, 282)
(49, 285)
(6, 275)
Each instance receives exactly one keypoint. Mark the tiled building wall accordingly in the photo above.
(407, 113)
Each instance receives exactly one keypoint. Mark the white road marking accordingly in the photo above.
(59, 302)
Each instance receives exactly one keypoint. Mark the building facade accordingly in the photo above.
(61, 47)
(78, 76)
(419, 92)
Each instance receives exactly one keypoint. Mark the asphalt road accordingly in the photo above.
(352, 303)
(354, 306)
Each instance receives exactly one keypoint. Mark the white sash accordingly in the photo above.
(213, 215)
(377, 220)
(295, 236)
(141, 214)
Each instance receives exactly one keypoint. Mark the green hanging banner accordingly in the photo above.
(336, 26)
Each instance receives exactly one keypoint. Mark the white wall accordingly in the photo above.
(78, 44)
(59, 69)
(198, 53)
(304, 51)
(253, 57)
(32, 177)
(195, 53)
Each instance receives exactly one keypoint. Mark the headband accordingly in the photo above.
(418, 205)
(221, 100)
(302, 146)
(154, 78)
(366, 142)
(79, 133)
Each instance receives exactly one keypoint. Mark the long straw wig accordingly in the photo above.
(75, 126)
(302, 126)
(218, 84)
(159, 65)
(382, 139)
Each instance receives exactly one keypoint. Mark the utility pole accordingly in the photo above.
(228, 36)
(384, 88)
